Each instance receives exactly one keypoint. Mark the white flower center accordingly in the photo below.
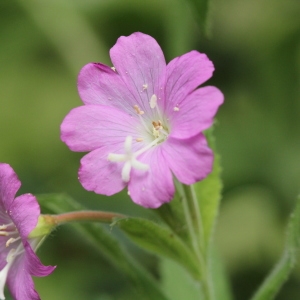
(152, 131)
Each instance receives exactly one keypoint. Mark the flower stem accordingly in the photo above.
(86, 215)
(195, 230)
(195, 216)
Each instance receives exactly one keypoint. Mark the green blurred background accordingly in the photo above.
(255, 46)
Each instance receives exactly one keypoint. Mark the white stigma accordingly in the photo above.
(129, 159)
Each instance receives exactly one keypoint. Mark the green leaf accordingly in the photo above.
(104, 242)
(161, 241)
(200, 8)
(277, 277)
(177, 283)
(218, 278)
(208, 192)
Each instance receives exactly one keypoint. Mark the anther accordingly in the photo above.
(139, 139)
(153, 101)
(176, 108)
(157, 125)
(138, 110)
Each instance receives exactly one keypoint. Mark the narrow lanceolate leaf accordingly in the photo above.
(161, 241)
(106, 244)
(200, 9)
(282, 270)
(208, 192)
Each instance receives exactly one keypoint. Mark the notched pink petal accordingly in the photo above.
(154, 187)
(141, 63)
(9, 185)
(195, 113)
(184, 74)
(89, 127)
(100, 175)
(190, 160)
(98, 84)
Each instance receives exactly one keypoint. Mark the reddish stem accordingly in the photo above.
(86, 215)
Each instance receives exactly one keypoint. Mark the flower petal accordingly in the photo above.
(19, 278)
(24, 212)
(195, 113)
(190, 160)
(34, 265)
(98, 174)
(9, 185)
(99, 84)
(183, 75)
(141, 63)
(154, 187)
(89, 127)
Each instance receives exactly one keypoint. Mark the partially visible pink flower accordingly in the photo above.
(18, 217)
(142, 121)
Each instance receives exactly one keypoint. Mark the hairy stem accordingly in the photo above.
(86, 215)
(195, 230)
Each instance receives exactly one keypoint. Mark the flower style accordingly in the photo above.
(18, 217)
(142, 121)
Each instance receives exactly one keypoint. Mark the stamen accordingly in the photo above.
(138, 110)
(3, 233)
(157, 125)
(11, 255)
(139, 139)
(153, 143)
(145, 125)
(5, 226)
(158, 128)
(11, 240)
(153, 101)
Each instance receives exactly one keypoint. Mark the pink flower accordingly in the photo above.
(142, 121)
(18, 217)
